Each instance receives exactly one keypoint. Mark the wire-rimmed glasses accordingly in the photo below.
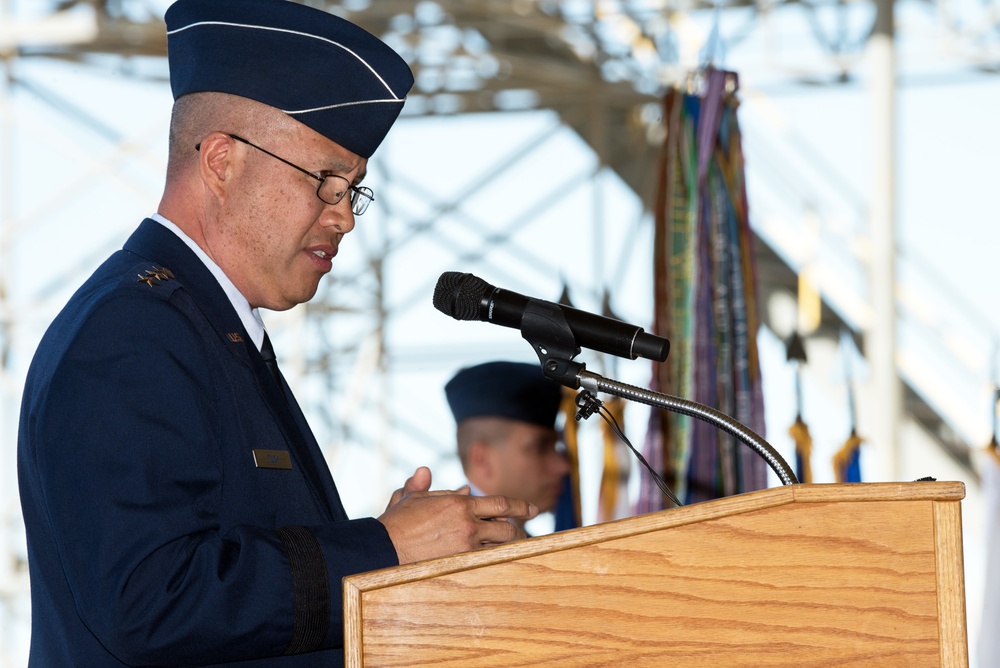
(332, 187)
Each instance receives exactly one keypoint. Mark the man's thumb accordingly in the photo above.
(420, 481)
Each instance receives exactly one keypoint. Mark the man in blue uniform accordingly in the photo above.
(505, 416)
(178, 509)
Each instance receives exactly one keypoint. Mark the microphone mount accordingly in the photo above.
(544, 326)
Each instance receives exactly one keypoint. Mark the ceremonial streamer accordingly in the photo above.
(705, 298)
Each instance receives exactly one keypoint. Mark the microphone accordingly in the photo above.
(468, 297)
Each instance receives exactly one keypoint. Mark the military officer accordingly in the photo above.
(178, 508)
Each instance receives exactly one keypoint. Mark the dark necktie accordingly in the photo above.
(267, 352)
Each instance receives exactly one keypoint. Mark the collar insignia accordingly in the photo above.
(235, 337)
(155, 275)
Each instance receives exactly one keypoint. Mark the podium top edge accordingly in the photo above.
(933, 491)
(877, 491)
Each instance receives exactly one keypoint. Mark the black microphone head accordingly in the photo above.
(459, 295)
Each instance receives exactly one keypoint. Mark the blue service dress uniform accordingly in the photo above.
(178, 509)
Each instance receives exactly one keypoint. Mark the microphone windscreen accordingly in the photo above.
(459, 295)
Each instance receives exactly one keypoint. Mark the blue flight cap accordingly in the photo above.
(512, 390)
(320, 69)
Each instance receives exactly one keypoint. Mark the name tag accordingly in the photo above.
(272, 459)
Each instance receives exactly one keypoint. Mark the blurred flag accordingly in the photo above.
(613, 502)
(567, 513)
(847, 460)
(799, 431)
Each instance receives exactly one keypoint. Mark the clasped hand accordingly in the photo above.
(423, 524)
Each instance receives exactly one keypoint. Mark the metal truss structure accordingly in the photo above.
(582, 75)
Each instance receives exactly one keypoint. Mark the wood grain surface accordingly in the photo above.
(805, 575)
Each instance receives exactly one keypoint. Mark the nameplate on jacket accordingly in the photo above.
(272, 459)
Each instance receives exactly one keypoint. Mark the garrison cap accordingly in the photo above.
(320, 69)
(512, 390)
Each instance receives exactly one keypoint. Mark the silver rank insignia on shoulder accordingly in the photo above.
(155, 276)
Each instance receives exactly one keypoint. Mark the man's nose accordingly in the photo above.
(339, 216)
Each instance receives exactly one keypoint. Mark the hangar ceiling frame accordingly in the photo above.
(598, 66)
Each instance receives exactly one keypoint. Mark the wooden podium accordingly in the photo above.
(801, 575)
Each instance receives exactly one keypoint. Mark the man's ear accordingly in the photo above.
(216, 162)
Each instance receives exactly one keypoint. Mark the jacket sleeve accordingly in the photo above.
(128, 439)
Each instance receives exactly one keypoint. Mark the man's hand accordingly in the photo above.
(423, 524)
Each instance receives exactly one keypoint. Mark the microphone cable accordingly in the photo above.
(587, 405)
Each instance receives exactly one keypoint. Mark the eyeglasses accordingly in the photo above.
(332, 187)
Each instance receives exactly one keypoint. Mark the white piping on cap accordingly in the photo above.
(395, 98)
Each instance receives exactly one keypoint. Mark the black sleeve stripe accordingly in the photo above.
(310, 589)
